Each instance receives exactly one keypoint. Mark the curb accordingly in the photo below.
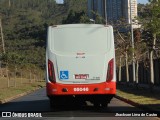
(17, 96)
(143, 107)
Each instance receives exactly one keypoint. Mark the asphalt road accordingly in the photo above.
(39, 103)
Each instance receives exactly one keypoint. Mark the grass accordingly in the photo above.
(137, 98)
(14, 82)
(141, 96)
(3, 82)
(25, 87)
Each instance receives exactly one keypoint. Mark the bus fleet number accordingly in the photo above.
(81, 89)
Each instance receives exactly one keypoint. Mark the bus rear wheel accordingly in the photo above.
(101, 105)
(52, 102)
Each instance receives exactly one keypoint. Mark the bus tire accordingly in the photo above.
(52, 103)
(96, 105)
(104, 105)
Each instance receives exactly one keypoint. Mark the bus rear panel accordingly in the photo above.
(80, 63)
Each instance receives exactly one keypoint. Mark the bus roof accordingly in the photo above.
(80, 25)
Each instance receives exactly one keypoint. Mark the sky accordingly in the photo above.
(59, 1)
(142, 1)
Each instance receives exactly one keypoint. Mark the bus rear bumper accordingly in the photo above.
(104, 88)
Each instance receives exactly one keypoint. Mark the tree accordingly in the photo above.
(123, 46)
(76, 17)
(123, 49)
(151, 24)
(2, 37)
(25, 24)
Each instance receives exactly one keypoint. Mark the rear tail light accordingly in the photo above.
(51, 72)
(110, 70)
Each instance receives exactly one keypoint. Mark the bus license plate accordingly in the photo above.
(81, 76)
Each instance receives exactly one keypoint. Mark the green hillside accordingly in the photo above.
(25, 25)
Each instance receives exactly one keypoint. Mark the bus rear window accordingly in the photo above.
(90, 40)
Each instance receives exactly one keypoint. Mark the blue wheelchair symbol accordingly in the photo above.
(64, 75)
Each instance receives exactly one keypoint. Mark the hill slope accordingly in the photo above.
(25, 25)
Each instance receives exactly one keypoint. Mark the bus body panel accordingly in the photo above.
(80, 55)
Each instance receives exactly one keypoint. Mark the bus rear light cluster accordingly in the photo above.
(110, 71)
(51, 72)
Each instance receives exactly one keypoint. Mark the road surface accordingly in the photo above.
(37, 102)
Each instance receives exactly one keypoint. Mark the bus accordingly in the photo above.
(80, 64)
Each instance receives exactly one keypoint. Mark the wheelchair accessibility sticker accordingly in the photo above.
(64, 75)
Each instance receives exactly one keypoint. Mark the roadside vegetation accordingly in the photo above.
(141, 96)
(23, 32)
(7, 94)
(25, 25)
(147, 47)
(147, 57)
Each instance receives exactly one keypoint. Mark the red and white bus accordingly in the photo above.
(80, 63)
